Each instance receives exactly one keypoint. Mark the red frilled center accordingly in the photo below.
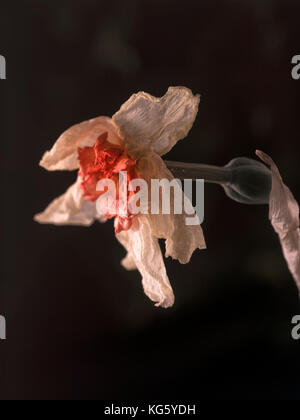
(105, 161)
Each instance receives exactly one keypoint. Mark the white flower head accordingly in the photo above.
(134, 139)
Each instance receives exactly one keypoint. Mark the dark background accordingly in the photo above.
(78, 325)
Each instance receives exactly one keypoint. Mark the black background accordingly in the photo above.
(78, 325)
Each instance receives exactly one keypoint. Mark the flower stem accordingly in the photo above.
(210, 173)
(244, 180)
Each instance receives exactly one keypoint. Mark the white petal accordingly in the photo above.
(145, 121)
(70, 209)
(128, 262)
(144, 250)
(64, 154)
(181, 240)
(125, 239)
(284, 216)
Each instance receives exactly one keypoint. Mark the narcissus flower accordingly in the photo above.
(284, 216)
(133, 140)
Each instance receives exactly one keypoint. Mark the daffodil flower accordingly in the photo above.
(133, 140)
(284, 216)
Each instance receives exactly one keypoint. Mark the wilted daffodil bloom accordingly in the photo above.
(133, 140)
(284, 216)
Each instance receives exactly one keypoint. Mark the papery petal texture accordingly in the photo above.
(181, 240)
(64, 154)
(147, 122)
(284, 216)
(70, 209)
(133, 140)
(144, 251)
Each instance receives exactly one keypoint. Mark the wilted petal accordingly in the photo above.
(128, 261)
(145, 121)
(70, 209)
(284, 216)
(64, 154)
(124, 238)
(181, 240)
(143, 249)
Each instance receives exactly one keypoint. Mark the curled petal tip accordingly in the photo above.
(265, 158)
(284, 216)
(167, 303)
(37, 218)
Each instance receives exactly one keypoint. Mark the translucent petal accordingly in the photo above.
(70, 209)
(181, 240)
(144, 251)
(284, 216)
(64, 154)
(146, 122)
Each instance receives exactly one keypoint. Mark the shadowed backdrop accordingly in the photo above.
(78, 325)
